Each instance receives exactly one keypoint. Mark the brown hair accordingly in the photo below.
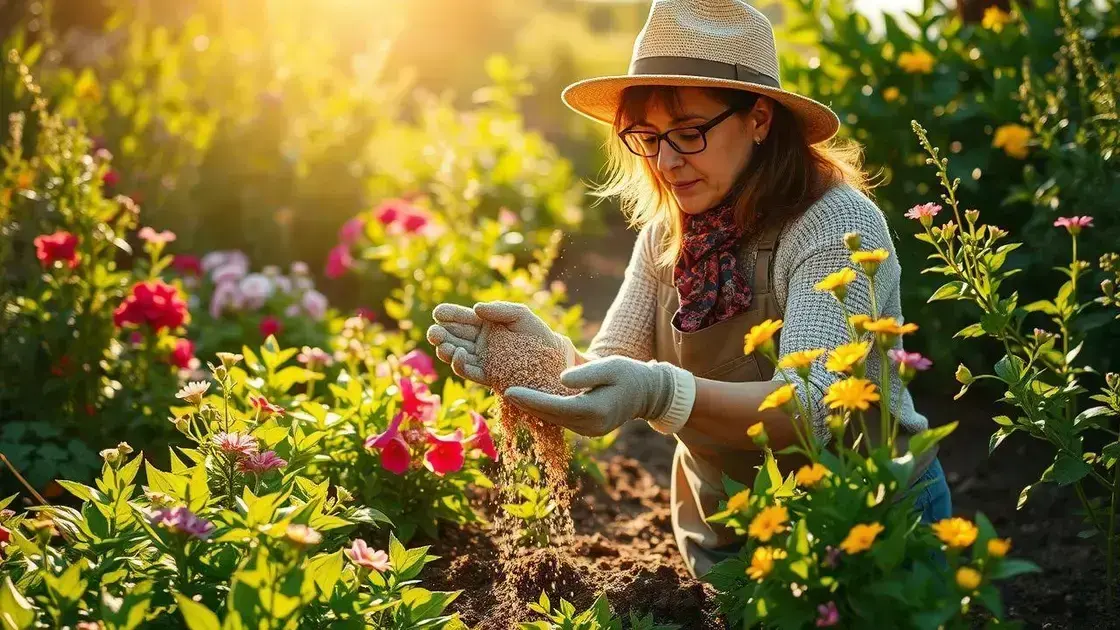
(785, 176)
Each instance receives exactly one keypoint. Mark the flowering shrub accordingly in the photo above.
(839, 539)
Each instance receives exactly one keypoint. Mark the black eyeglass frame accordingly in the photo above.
(702, 128)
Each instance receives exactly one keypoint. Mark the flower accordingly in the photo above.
(193, 392)
(420, 363)
(234, 265)
(352, 230)
(891, 94)
(757, 433)
(154, 303)
(482, 440)
(837, 282)
(994, 19)
(762, 562)
(267, 408)
(998, 547)
(800, 360)
(968, 579)
(507, 217)
(827, 615)
(182, 354)
(908, 362)
(775, 400)
(1013, 139)
(149, 235)
(366, 313)
(187, 265)
(314, 357)
(870, 260)
(182, 521)
(229, 359)
(918, 62)
(236, 444)
(362, 555)
(394, 451)
(417, 401)
(955, 532)
(58, 247)
(861, 537)
(1073, 225)
(446, 454)
(831, 557)
(261, 463)
(771, 520)
(303, 535)
(88, 625)
(256, 288)
(888, 327)
(339, 261)
(315, 304)
(847, 356)
(300, 268)
(858, 320)
(270, 326)
(761, 336)
(226, 296)
(738, 501)
(851, 394)
(810, 475)
(923, 213)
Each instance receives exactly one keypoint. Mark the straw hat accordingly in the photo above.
(703, 43)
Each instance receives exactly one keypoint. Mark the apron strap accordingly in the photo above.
(763, 266)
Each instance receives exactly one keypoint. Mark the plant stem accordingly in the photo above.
(1111, 546)
(30, 489)
(885, 403)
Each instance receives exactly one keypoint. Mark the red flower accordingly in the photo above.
(267, 408)
(62, 367)
(366, 313)
(60, 246)
(394, 451)
(417, 401)
(270, 326)
(182, 354)
(420, 363)
(482, 440)
(339, 261)
(111, 178)
(154, 303)
(187, 265)
(446, 454)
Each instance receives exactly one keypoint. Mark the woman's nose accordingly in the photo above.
(668, 158)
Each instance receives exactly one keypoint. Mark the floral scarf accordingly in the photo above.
(709, 283)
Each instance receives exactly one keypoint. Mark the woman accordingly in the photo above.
(743, 208)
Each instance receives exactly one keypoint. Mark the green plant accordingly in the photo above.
(598, 617)
(534, 509)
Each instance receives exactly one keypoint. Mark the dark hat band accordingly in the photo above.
(693, 67)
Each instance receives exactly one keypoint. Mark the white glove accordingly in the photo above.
(456, 337)
(521, 320)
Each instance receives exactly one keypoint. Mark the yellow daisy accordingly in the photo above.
(760, 336)
(738, 501)
(861, 537)
(1013, 139)
(891, 94)
(858, 320)
(955, 532)
(810, 475)
(968, 579)
(771, 520)
(851, 394)
(888, 326)
(762, 562)
(775, 400)
(837, 282)
(918, 62)
(847, 356)
(799, 360)
(998, 547)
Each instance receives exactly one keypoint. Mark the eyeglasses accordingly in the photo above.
(684, 140)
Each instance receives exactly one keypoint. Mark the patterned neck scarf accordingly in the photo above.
(709, 283)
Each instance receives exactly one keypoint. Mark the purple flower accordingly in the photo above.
(261, 463)
(182, 521)
(827, 615)
(909, 360)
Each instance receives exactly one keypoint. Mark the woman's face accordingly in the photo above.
(699, 181)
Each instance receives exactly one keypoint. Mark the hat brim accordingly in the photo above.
(599, 98)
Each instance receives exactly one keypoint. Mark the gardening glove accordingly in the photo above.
(521, 320)
(456, 337)
(616, 390)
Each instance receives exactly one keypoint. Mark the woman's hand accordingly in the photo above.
(458, 340)
(618, 389)
(521, 320)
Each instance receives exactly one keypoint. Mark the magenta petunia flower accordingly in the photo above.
(482, 440)
(238, 444)
(1073, 225)
(827, 615)
(182, 521)
(417, 401)
(446, 453)
(420, 363)
(394, 451)
(339, 261)
(364, 556)
(352, 230)
(909, 360)
(261, 463)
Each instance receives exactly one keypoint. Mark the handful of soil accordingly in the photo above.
(514, 360)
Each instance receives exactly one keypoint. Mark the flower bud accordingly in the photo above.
(853, 241)
(111, 456)
(229, 359)
(1110, 261)
(757, 433)
(972, 215)
(936, 231)
(220, 372)
(837, 425)
(1112, 379)
(948, 230)
(964, 375)
(124, 448)
(1108, 288)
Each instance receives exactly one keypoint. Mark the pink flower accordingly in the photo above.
(362, 555)
(352, 230)
(156, 238)
(314, 357)
(182, 521)
(270, 326)
(227, 296)
(417, 401)
(415, 221)
(507, 218)
(261, 463)
(827, 615)
(1073, 225)
(389, 211)
(482, 440)
(924, 213)
(909, 360)
(339, 261)
(256, 288)
(395, 454)
(366, 313)
(182, 354)
(446, 454)
(420, 363)
(187, 265)
(315, 304)
(267, 408)
(237, 444)
(60, 246)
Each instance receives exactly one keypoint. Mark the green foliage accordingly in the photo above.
(598, 617)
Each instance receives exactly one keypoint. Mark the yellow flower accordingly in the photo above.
(799, 360)
(861, 537)
(837, 281)
(955, 532)
(762, 562)
(738, 501)
(775, 400)
(770, 521)
(757, 433)
(858, 320)
(761, 335)
(891, 94)
(994, 18)
(889, 326)
(1013, 140)
(851, 394)
(870, 260)
(968, 578)
(920, 62)
(998, 547)
(303, 535)
(847, 356)
(809, 476)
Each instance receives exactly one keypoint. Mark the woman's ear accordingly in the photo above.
(763, 115)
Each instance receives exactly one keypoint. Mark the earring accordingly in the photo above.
(758, 141)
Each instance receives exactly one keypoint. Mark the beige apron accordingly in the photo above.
(716, 353)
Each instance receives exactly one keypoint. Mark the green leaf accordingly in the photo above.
(972, 330)
(67, 587)
(948, 291)
(326, 569)
(923, 441)
(198, 489)
(1067, 469)
(1010, 567)
(1009, 369)
(197, 616)
(16, 611)
(998, 437)
(1041, 306)
(82, 491)
(1024, 494)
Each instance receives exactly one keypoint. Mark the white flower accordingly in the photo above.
(226, 297)
(283, 284)
(230, 272)
(256, 287)
(315, 304)
(292, 310)
(300, 268)
(193, 392)
(213, 260)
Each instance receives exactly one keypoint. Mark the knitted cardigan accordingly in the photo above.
(809, 248)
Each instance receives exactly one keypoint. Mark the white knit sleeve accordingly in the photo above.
(812, 247)
(627, 329)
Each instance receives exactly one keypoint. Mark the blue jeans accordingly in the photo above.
(934, 501)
